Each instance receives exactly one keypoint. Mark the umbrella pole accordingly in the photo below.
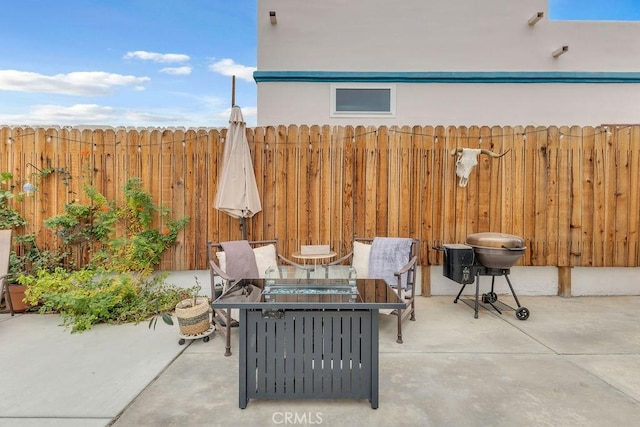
(243, 220)
(243, 226)
(233, 91)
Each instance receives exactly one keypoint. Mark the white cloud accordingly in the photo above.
(138, 118)
(157, 57)
(60, 115)
(208, 101)
(91, 114)
(227, 67)
(183, 71)
(82, 83)
(209, 113)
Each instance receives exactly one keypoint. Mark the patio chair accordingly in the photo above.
(267, 255)
(402, 279)
(5, 255)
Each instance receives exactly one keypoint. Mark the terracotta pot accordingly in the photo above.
(17, 295)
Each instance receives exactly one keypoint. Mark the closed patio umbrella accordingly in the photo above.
(237, 193)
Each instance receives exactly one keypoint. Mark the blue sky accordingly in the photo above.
(595, 10)
(151, 62)
(126, 62)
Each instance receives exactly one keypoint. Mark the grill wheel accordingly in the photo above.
(522, 313)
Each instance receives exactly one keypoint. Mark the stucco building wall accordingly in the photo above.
(450, 62)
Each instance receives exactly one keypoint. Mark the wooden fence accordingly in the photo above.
(571, 192)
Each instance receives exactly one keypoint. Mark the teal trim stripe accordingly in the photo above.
(447, 77)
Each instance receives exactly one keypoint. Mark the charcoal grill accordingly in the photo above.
(484, 254)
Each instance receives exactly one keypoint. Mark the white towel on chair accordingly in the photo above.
(388, 255)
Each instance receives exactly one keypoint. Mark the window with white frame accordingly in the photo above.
(360, 100)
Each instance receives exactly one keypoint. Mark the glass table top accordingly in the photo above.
(335, 283)
(322, 272)
(312, 287)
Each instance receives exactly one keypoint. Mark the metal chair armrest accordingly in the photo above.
(411, 285)
(218, 272)
(290, 262)
(407, 266)
(340, 260)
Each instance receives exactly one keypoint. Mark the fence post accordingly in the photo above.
(564, 281)
(425, 282)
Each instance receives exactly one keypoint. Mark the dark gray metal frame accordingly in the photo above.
(319, 350)
(491, 298)
(309, 355)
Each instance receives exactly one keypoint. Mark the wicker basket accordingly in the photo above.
(193, 320)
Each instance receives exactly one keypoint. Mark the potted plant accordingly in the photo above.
(193, 313)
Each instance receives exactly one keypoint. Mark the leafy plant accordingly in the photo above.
(10, 218)
(127, 240)
(166, 316)
(128, 234)
(86, 297)
(28, 258)
(63, 173)
(45, 172)
(25, 256)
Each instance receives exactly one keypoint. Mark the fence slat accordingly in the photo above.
(575, 216)
(622, 198)
(634, 197)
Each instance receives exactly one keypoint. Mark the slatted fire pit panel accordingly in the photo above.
(310, 354)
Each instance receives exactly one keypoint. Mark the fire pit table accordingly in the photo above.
(484, 254)
(309, 337)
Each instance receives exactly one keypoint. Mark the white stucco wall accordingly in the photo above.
(446, 36)
(462, 104)
(535, 281)
(526, 281)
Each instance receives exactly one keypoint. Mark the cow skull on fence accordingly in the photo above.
(467, 159)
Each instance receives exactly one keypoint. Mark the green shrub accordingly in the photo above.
(28, 258)
(87, 297)
(130, 236)
(126, 241)
(10, 218)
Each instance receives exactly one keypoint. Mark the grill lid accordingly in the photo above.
(495, 240)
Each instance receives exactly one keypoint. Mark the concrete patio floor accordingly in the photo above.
(574, 362)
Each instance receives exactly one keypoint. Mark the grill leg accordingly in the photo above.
(515, 297)
(455, 301)
(490, 302)
(475, 315)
